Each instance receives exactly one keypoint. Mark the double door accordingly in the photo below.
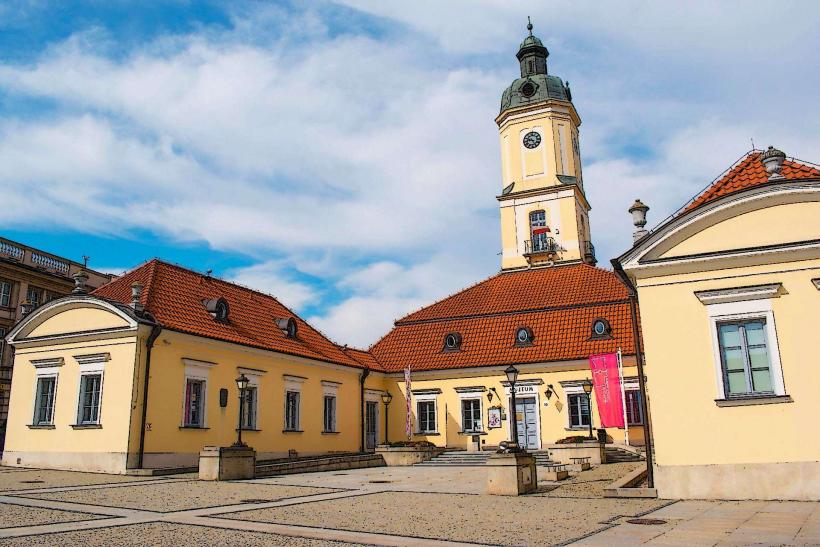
(526, 415)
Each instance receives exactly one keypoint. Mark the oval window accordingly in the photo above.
(599, 327)
(452, 341)
(523, 336)
(221, 311)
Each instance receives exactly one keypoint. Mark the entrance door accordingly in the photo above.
(527, 422)
(371, 417)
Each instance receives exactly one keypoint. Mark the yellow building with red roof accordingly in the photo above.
(729, 289)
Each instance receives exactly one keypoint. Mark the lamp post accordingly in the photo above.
(587, 385)
(512, 376)
(386, 398)
(242, 383)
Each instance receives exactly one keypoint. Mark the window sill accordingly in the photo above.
(41, 426)
(248, 429)
(292, 431)
(427, 433)
(472, 432)
(330, 432)
(754, 400)
(193, 427)
(86, 426)
(578, 428)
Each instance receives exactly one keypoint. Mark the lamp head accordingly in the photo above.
(512, 374)
(587, 385)
(242, 382)
(386, 397)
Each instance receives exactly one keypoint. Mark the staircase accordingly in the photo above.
(615, 454)
(462, 458)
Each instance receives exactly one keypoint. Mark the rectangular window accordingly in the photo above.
(633, 407)
(330, 413)
(249, 409)
(89, 408)
(292, 410)
(194, 403)
(471, 414)
(426, 411)
(44, 404)
(33, 296)
(578, 410)
(744, 357)
(5, 294)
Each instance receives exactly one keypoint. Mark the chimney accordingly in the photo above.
(638, 211)
(772, 159)
(136, 294)
(80, 279)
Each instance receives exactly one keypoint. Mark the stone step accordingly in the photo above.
(321, 463)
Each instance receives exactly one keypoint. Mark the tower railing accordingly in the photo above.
(541, 245)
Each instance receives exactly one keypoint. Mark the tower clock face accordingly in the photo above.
(532, 139)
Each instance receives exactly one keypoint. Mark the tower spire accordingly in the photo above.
(529, 25)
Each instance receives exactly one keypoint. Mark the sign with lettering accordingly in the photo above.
(525, 389)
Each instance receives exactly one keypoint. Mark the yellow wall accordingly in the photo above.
(553, 422)
(78, 319)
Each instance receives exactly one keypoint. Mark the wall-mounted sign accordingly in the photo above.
(494, 418)
(525, 389)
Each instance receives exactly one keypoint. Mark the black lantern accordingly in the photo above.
(587, 385)
(242, 383)
(512, 376)
(386, 398)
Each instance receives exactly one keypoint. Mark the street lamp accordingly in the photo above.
(386, 398)
(587, 385)
(242, 383)
(512, 376)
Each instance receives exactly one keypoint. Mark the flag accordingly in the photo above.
(607, 384)
(540, 230)
(408, 426)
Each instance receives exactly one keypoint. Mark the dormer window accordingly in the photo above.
(287, 326)
(601, 329)
(452, 342)
(523, 336)
(218, 308)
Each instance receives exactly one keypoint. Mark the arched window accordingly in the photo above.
(539, 230)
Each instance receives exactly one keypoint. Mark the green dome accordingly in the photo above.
(534, 89)
(530, 41)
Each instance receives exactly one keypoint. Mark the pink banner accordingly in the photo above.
(607, 384)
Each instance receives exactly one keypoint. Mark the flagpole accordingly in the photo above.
(623, 397)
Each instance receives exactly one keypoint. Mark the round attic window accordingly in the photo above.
(600, 327)
(452, 341)
(528, 89)
(523, 336)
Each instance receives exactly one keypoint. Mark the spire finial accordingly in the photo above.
(529, 25)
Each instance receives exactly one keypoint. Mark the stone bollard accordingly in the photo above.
(228, 463)
(511, 474)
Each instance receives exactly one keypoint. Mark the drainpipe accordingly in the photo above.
(362, 377)
(633, 311)
(149, 343)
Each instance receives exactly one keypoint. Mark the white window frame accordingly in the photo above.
(426, 398)
(576, 390)
(330, 389)
(45, 368)
(727, 306)
(5, 293)
(293, 384)
(253, 375)
(196, 370)
(480, 400)
(90, 365)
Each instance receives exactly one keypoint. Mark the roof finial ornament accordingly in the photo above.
(772, 160)
(529, 25)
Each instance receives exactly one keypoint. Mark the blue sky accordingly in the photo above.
(343, 155)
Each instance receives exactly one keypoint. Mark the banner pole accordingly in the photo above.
(623, 397)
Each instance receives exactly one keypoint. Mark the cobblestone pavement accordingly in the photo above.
(376, 506)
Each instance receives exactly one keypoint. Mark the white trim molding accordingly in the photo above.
(740, 294)
(51, 362)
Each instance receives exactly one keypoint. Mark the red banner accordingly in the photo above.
(607, 384)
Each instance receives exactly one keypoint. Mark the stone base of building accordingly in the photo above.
(91, 462)
(227, 463)
(753, 481)
(511, 474)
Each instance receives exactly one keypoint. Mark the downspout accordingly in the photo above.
(362, 377)
(633, 311)
(149, 343)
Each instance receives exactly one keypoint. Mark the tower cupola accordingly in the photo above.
(532, 54)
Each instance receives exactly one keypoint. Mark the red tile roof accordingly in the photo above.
(175, 295)
(749, 172)
(559, 304)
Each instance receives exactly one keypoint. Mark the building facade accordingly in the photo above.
(30, 277)
(729, 291)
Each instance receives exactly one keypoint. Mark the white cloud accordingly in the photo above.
(371, 164)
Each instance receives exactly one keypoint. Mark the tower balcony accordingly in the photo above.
(589, 253)
(541, 248)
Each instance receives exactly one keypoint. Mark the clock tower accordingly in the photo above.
(544, 212)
